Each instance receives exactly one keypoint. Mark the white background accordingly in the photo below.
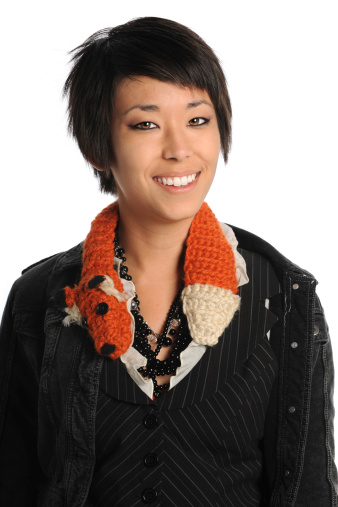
(280, 60)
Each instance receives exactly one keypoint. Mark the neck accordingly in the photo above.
(152, 247)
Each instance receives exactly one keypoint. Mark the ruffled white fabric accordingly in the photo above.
(240, 264)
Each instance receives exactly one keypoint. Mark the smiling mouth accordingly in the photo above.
(177, 181)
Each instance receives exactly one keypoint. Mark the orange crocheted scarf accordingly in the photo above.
(209, 297)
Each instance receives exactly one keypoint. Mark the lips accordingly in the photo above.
(177, 181)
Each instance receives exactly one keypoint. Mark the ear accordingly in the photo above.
(74, 315)
(94, 164)
(109, 288)
(94, 282)
(69, 296)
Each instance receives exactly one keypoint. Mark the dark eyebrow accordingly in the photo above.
(152, 107)
(198, 103)
(143, 107)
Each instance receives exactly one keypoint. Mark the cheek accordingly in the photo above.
(127, 175)
(212, 142)
(135, 154)
(212, 149)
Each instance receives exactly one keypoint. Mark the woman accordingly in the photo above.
(157, 363)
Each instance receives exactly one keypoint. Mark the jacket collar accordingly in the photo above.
(282, 265)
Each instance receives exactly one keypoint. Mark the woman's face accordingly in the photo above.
(166, 145)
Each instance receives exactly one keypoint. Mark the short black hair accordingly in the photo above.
(154, 47)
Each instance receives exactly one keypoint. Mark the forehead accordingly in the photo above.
(143, 90)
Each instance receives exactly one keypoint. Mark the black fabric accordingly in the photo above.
(209, 426)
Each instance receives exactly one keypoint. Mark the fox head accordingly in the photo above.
(99, 306)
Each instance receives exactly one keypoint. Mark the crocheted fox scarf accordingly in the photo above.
(209, 296)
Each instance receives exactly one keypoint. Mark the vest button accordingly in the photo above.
(149, 495)
(150, 421)
(292, 410)
(150, 460)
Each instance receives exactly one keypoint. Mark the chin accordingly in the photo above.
(179, 211)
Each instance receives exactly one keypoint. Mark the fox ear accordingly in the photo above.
(73, 313)
(69, 296)
(108, 287)
(74, 316)
(94, 282)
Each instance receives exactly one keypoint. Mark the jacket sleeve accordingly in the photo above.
(20, 473)
(318, 485)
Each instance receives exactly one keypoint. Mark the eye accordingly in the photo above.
(196, 122)
(102, 308)
(144, 125)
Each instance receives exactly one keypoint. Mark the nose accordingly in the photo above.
(176, 145)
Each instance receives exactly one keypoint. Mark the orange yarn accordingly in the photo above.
(99, 302)
(110, 331)
(209, 258)
(98, 250)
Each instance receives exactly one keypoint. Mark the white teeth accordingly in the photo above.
(176, 181)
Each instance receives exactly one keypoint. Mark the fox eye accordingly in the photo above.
(196, 122)
(102, 308)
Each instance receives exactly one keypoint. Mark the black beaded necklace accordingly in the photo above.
(175, 333)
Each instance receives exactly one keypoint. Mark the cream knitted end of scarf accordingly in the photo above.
(209, 310)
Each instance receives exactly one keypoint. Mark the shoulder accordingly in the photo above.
(45, 277)
(254, 248)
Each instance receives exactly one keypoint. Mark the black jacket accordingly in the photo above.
(49, 378)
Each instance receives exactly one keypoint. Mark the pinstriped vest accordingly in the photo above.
(199, 444)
